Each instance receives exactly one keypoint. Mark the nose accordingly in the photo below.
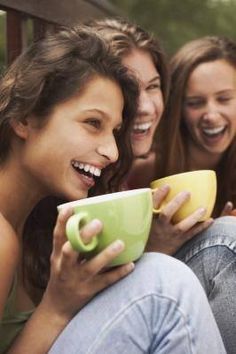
(108, 149)
(212, 113)
(145, 105)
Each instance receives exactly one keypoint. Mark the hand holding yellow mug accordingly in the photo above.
(200, 184)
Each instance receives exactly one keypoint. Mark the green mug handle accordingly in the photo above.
(73, 227)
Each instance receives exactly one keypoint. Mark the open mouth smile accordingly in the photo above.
(214, 132)
(141, 128)
(88, 173)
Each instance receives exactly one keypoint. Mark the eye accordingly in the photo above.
(154, 86)
(194, 103)
(224, 99)
(94, 122)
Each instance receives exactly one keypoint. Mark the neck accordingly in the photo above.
(142, 172)
(199, 159)
(18, 195)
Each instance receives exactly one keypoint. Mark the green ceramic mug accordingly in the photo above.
(125, 215)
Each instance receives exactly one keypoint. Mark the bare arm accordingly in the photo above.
(73, 282)
(9, 256)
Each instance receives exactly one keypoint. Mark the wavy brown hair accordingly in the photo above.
(124, 36)
(173, 157)
(49, 72)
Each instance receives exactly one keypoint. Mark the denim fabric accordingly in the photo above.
(159, 308)
(212, 257)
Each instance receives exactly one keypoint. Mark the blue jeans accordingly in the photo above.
(159, 308)
(212, 257)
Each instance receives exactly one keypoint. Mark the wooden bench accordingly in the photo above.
(45, 15)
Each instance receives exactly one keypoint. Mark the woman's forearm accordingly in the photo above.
(40, 332)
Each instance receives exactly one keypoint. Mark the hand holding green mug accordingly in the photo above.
(202, 187)
(125, 216)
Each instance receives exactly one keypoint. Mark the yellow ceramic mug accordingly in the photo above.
(202, 187)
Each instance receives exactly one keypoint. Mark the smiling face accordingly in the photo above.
(67, 155)
(151, 103)
(210, 107)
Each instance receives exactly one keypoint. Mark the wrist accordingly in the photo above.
(48, 307)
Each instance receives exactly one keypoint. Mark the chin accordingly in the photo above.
(139, 151)
(76, 196)
(142, 153)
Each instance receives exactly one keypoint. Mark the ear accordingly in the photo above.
(20, 127)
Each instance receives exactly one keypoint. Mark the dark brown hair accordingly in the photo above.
(49, 72)
(125, 36)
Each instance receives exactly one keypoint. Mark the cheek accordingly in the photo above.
(191, 117)
(233, 123)
(159, 103)
(231, 114)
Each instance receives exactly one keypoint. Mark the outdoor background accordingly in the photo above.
(173, 21)
(176, 21)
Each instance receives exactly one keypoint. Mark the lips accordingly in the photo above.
(141, 129)
(214, 132)
(87, 173)
(86, 168)
(214, 137)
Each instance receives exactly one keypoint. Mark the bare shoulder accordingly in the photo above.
(9, 257)
(8, 238)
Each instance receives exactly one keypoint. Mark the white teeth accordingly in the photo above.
(213, 131)
(92, 169)
(142, 126)
(76, 164)
(97, 172)
(87, 168)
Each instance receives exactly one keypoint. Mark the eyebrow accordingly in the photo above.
(199, 95)
(193, 96)
(155, 78)
(228, 90)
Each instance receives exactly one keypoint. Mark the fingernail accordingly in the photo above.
(202, 210)
(186, 193)
(64, 211)
(210, 221)
(130, 267)
(165, 187)
(95, 223)
(118, 245)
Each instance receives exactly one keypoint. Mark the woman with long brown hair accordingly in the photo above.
(201, 114)
(200, 133)
(211, 254)
(66, 103)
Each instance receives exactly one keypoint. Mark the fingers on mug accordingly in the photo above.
(73, 227)
(154, 210)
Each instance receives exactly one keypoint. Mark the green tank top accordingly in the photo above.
(12, 321)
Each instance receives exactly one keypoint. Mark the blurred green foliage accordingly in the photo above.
(175, 22)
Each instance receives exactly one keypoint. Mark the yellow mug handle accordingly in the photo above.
(155, 211)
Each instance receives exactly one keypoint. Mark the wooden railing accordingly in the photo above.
(45, 15)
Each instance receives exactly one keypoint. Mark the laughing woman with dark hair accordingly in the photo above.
(68, 100)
